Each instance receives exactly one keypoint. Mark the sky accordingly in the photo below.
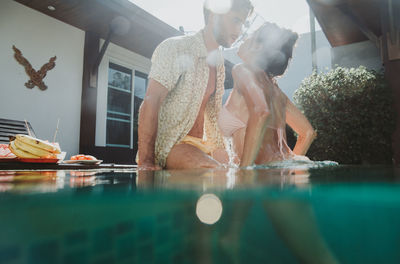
(292, 14)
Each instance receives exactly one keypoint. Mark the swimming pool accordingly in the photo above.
(347, 214)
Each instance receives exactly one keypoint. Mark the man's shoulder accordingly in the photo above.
(181, 43)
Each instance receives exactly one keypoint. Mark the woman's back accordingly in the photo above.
(273, 146)
(257, 111)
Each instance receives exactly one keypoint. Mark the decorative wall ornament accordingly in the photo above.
(36, 77)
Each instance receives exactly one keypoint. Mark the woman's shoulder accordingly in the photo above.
(240, 68)
(242, 74)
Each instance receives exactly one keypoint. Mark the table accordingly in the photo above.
(55, 166)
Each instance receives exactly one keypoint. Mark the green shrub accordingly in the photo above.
(352, 112)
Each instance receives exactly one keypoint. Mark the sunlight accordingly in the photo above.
(218, 7)
(292, 14)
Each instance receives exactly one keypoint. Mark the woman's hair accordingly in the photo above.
(236, 5)
(277, 47)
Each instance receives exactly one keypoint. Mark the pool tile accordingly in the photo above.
(126, 247)
(103, 240)
(44, 252)
(76, 238)
(124, 227)
(10, 253)
(76, 257)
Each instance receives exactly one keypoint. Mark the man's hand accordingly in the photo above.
(148, 166)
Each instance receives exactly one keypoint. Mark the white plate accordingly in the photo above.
(82, 161)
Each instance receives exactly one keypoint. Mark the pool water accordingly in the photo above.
(322, 214)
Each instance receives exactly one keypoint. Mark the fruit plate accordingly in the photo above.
(38, 160)
(95, 162)
(5, 153)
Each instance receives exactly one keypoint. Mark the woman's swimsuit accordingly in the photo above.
(228, 123)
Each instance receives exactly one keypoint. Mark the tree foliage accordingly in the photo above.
(352, 112)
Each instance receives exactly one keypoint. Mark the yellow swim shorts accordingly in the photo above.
(204, 146)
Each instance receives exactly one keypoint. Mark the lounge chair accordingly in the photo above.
(9, 127)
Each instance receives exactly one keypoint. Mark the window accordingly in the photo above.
(119, 107)
(122, 107)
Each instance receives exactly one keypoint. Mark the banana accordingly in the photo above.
(20, 153)
(41, 144)
(34, 150)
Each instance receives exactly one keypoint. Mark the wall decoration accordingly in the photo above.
(36, 77)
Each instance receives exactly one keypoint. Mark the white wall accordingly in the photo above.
(353, 55)
(356, 54)
(300, 66)
(122, 57)
(40, 37)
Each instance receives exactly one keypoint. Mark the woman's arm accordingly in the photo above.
(258, 113)
(300, 124)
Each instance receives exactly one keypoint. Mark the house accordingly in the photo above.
(103, 50)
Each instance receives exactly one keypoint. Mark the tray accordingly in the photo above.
(94, 162)
(37, 160)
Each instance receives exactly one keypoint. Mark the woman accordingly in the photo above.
(256, 113)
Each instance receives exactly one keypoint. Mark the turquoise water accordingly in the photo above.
(303, 214)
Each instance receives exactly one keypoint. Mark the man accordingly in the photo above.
(178, 118)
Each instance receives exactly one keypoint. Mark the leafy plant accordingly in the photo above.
(352, 112)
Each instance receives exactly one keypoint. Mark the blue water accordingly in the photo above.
(274, 214)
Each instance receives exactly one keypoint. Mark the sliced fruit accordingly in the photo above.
(77, 157)
(20, 153)
(83, 157)
(90, 157)
(34, 150)
(38, 143)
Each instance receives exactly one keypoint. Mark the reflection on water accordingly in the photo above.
(42, 181)
(279, 175)
(82, 178)
(222, 179)
(31, 181)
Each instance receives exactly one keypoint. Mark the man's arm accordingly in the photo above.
(148, 122)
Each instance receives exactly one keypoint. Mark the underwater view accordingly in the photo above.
(320, 213)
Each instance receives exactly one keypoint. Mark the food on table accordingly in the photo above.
(27, 147)
(21, 153)
(5, 152)
(34, 150)
(83, 157)
(53, 148)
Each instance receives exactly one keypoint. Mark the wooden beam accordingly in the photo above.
(89, 94)
(95, 67)
(313, 42)
(345, 9)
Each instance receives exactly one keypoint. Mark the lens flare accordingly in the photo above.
(218, 6)
(213, 58)
(209, 208)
